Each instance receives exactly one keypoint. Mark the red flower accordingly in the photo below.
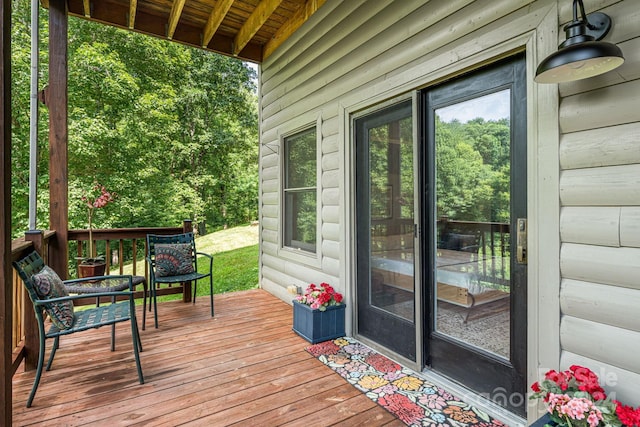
(535, 387)
(627, 415)
(320, 297)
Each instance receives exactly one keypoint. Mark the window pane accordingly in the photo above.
(301, 160)
(300, 220)
(300, 214)
(391, 206)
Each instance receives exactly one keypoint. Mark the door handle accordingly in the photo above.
(521, 241)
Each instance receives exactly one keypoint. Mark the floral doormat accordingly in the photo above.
(399, 390)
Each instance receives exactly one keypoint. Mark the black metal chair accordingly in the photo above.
(174, 259)
(48, 294)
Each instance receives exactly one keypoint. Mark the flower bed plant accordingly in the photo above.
(320, 297)
(575, 398)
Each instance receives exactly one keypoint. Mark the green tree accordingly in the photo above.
(171, 129)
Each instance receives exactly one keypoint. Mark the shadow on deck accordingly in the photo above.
(243, 367)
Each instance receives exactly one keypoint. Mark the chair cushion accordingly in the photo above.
(49, 285)
(173, 259)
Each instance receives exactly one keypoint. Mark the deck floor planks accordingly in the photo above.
(244, 366)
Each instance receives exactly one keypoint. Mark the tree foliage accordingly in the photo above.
(473, 170)
(171, 129)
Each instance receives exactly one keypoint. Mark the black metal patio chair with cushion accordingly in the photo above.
(49, 295)
(174, 259)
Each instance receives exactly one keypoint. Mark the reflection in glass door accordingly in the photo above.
(474, 182)
(385, 227)
(473, 153)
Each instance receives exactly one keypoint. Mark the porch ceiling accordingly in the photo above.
(248, 29)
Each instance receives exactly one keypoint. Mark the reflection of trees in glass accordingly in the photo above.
(300, 190)
(391, 169)
(301, 159)
(473, 170)
(406, 169)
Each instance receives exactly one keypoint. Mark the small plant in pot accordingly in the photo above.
(98, 198)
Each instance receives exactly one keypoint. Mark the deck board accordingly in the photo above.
(243, 367)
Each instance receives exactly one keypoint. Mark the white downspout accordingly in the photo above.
(33, 120)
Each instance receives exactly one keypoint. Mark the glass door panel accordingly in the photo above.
(391, 224)
(474, 192)
(472, 203)
(385, 227)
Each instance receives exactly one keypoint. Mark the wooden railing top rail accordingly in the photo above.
(20, 245)
(122, 233)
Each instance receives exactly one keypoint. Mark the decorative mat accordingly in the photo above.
(399, 390)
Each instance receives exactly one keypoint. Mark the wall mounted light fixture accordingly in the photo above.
(582, 54)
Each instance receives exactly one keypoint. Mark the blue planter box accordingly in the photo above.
(545, 420)
(316, 326)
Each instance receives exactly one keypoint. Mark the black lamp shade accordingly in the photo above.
(579, 61)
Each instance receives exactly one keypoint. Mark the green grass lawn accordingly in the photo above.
(235, 261)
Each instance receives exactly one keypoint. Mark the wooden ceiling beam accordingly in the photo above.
(133, 7)
(174, 17)
(215, 19)
(290, 27)
(256, 20)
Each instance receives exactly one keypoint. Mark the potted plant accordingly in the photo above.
(575, 398)
(93, 265)
(318, 314)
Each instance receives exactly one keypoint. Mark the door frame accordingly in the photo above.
(509, 73)
(535, 31)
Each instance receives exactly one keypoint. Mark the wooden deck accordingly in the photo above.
(244, 367)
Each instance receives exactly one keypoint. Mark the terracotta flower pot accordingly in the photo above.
(90, 270)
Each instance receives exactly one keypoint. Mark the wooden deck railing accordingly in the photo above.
(492, 238)
(121, 247)
(494, 246)
(24, 334)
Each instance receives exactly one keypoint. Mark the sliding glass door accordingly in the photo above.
(385, 227)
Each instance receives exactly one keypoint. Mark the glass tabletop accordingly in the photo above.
(103, 285)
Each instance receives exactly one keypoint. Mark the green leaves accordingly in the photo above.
(172, 129)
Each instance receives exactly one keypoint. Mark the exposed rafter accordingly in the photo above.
(290, 27)
(174, 17)
(247, 29)
(133, 6)
(215, 19)
(259, 16)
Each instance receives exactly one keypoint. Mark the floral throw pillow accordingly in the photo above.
(48, 285)
(173, 259)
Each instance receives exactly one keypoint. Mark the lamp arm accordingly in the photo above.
(585, 18)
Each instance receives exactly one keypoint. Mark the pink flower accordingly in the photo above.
(320, 297)
(93, 202)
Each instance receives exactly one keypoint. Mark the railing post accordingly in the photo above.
(187, 227)
(31, 339)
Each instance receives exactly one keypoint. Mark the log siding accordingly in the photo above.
(600, 213)
(584, 160)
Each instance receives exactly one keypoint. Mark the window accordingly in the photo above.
(300, 191)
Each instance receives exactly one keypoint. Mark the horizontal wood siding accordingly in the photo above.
(600, 213)
(578, 336)
(618, 383)
(353, 54)
(344, 54)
